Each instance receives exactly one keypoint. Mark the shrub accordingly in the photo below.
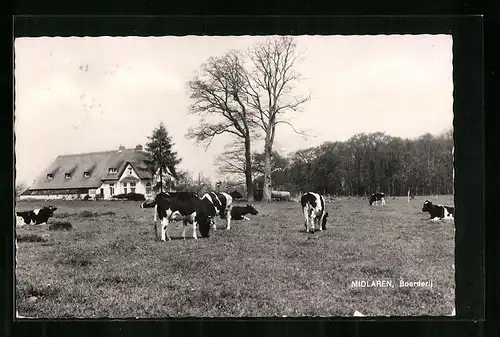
(131, 196)
(60, 225)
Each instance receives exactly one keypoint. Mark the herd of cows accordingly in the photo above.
(202, 212)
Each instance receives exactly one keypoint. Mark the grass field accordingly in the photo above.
(109, 265)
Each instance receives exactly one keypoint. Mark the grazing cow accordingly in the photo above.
(36, 216)
(313, 207)
(222, 203)
(438, 212)
(281, 195)
(185, 206)
(377, 198)
(238, 212)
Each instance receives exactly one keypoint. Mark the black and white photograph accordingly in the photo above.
(234, 176)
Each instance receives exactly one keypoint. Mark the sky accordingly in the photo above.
(86, 94)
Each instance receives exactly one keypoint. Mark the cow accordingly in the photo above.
(238, 212)
(36, 216)
(222, 203)
(313, 207)
(377, 198)
(185, 206)
(438, 212)
(280, 195)
(236, 195)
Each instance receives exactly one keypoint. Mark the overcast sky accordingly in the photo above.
(75, 95)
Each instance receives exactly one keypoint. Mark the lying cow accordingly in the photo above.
(313, 207)
(36, 216)
(223, 203)
(185, 206)
(377, 198)
(439, 212)
(239, 212)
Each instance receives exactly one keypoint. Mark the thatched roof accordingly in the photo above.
(89, 170)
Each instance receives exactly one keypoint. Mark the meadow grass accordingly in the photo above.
(109, 264)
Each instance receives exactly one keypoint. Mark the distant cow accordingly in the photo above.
(222, 203)
(236, 195)
(36, 216)
(280, 195)
(313, 207)
(238, 212)
(439, 212)
(377, 198)
(185, 206)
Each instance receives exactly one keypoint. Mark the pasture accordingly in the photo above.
(109, 264)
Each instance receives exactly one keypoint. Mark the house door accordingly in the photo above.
(102, 192)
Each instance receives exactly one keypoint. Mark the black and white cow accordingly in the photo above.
(36, 216)
(239, 212)
(223, 203)
(439, 212)
(377, 198)
(313, 207)
(185, 206)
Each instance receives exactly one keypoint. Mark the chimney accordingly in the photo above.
(121, 148)
(138, 147)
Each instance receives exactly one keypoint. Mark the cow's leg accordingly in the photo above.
(195, 225)
(228, 216)
(214, 226)
(184, 227)
(306, 218)
(383, 201)
(320, 221)
(164, 229)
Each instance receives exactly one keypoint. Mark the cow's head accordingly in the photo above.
(252, 210)
(50, 210)
(204, 224)
(323, 223)
(427, 206)
(371, 200)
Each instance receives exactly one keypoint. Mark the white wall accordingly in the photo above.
(119, 187)
(52, 196)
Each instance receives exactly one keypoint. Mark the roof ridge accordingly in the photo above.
(99, 152)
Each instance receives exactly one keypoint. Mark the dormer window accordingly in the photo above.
(50, 176)
(86, 174)
(67, 175)
(111, 170)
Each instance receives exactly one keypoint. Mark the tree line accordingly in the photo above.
(367, 163)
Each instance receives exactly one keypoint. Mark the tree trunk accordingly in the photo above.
(248, 170)
(266, 197)
(161, 180)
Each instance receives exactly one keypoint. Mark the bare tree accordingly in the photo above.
(268, 91)
(217, 96)
(245, 98)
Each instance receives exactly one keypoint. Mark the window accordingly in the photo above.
(86, 174)
(132, 187)
(111, 170)
(112, 189)
(148, 188)
(129, 171)
(67, 175)
(50, 176)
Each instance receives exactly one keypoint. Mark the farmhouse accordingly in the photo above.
(105, 174)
